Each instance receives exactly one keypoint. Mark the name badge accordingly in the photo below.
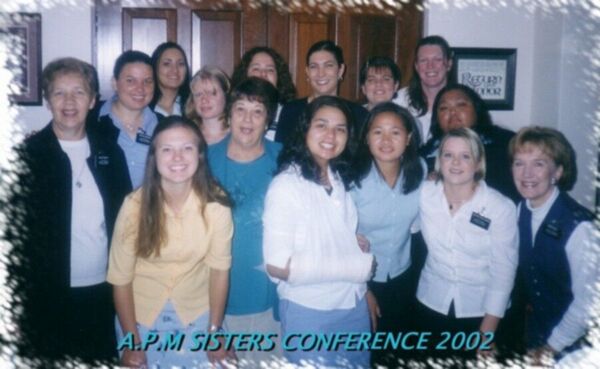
(480, 221)
(102, 159)
(143, 138)
(552, 230)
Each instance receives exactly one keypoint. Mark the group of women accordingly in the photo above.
(228, 230)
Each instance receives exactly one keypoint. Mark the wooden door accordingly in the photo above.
(216, 33)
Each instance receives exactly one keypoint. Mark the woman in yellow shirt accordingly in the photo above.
(171, 252)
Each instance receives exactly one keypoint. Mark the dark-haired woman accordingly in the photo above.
(170, 256)
(431, 72)
(172, 76)
(459, 106)
(390, 173)
(266, 63)
(126, 118)
(68, 200)
(324, 71)
(310, 244)
(244, 164)
(558, 254)
(379, 80)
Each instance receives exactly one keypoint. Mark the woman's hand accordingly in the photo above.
(489, 324)
(363, 243)
(221, 357)
(374, 311)
(280, 273)
(134, 359)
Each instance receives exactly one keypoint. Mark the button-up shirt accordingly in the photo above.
(582, 256)
(194, 244)
(467, 264)
(135, 152)
(385, 216)
(317, 233)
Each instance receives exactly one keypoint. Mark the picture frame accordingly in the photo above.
(25, 37)
(489, 71)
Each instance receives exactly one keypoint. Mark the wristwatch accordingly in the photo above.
(215, 329)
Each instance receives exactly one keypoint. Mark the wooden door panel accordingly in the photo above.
(145, 29)
(216, 39)
(218, 33)
(305, 30)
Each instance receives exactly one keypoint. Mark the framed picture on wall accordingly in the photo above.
(489, 71)
(24, 31)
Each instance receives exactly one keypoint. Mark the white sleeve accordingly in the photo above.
(279, 226)
(306, 268)
(504, 260)
(582, 255)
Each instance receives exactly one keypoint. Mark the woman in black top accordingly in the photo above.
(64, 209)
(324, 71)
(459, 106)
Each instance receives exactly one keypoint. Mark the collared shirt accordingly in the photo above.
(176, 108)
(385, 216)
(317, 233)
(467, 264)
(582, 256)
(135, 151)
(423, 121)
(194, 244)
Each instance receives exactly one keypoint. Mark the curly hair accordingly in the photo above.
(184, 89)
(416, 97)
(410, 161)
(296, 152)
(285, 85)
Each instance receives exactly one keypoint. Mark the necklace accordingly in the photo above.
(78, 183)
(132, 128)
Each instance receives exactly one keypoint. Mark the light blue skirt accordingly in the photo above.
(168, 323)
(296, 318)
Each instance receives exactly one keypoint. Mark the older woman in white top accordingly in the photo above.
(471, 235)
(310, 245)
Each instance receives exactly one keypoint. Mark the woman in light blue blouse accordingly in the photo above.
(386, 194)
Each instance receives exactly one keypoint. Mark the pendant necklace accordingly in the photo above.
(78, 183)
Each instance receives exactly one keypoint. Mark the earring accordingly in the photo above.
(553, 181)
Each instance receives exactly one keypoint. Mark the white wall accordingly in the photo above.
(66, 31)
(555, 85)
(579, 95)
(474, 26)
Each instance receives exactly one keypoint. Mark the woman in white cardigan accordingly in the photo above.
(310, 245)
(471, 235)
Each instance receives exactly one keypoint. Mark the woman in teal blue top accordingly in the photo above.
(386, 195)
(244, 164)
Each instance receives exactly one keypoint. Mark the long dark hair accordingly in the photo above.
(151, 228)
(416, 97)
(295, 150)
(285, 84)
(184, 89)
(410, 162)
(483, 123)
